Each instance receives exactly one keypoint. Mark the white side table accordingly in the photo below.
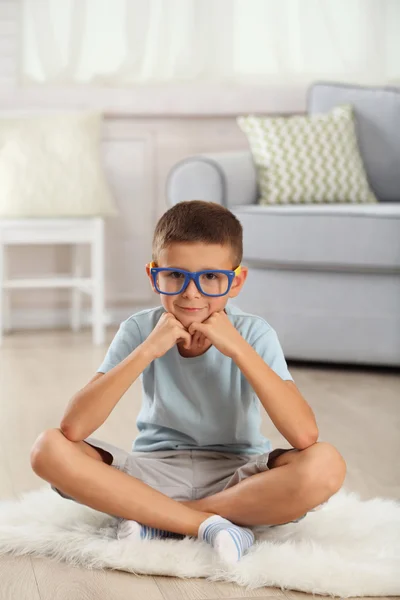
(76, 231)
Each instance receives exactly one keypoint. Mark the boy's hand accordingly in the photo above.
(220, 332)
(166, 334)
(200, 342)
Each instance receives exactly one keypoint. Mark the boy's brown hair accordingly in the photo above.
(199, 221)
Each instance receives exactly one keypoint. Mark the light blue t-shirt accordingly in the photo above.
(200, 403)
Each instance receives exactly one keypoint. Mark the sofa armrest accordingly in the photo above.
(227, 178)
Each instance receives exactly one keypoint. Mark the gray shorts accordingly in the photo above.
(185, 474)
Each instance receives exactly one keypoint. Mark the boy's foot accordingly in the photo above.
(229, 540)
(136, 531)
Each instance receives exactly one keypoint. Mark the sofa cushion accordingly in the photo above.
(362, 236)
(377, 116)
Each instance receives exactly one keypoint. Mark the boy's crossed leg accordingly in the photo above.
(78, 470)
(297, 482)
(303, 480)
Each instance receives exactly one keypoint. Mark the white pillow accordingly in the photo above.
(50, 167)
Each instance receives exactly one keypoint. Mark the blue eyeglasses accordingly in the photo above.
(171, 282)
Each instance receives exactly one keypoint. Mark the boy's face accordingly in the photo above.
(191, 305)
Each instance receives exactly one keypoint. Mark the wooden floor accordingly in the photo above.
(357, 410)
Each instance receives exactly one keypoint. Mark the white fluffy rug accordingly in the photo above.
(348, 548)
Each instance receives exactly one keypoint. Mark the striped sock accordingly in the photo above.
(136, 531)
(229, 540)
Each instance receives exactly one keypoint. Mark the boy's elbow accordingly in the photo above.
(71, 422)
(308, 441)
(71, 432)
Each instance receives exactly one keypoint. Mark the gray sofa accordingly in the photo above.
(327, 277)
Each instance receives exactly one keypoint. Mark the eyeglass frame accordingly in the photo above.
(193, 275)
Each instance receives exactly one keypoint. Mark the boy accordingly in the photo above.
(199, 465)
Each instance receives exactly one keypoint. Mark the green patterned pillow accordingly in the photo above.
(305, 159)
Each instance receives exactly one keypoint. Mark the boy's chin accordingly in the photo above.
(189, 318)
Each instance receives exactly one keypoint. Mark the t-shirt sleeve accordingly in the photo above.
(125, 341)
(268, 347)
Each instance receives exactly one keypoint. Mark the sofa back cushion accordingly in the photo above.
(377, 116)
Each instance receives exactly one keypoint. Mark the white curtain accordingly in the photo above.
(126, 42)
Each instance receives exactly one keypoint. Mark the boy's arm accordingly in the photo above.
(289, 412)
(91, 406)
(285, 405)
